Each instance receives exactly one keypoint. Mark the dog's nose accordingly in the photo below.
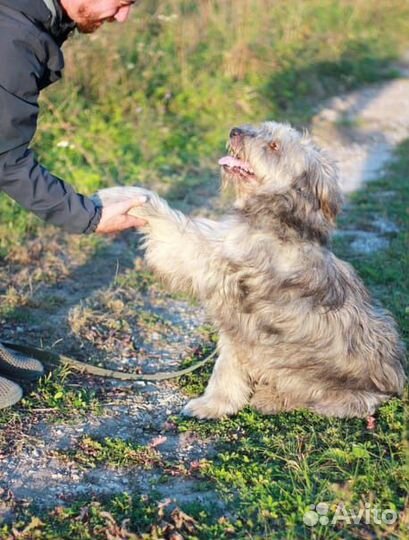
(236, 132)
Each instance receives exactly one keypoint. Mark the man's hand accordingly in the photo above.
(115, 216)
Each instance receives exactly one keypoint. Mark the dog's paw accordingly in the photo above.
(153, 207)
(118, 194)
(208, 407)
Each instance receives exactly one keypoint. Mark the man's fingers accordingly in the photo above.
(132, 221)
(117, 217)
(128, 221)
(120, 223)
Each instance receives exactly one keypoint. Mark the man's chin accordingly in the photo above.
(88, 27)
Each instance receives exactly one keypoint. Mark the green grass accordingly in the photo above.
(90, 520)
(272, 469)
(152, 101)
(52, 394)
(113, 452)
(66, 401)
(267, 471)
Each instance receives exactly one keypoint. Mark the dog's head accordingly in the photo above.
(278, 172)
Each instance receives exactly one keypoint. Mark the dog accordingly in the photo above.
(297, 327)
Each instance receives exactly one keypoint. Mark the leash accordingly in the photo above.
(56, 359)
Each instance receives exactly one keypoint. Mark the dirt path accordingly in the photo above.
(120, 319)
(361, 129)
(132, 323)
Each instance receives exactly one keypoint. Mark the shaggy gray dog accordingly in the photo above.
(297, 327)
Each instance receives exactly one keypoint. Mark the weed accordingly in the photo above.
(151, 103)
(114, 453)
(53, 392)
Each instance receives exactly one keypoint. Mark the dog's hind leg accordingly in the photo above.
(334, 402)
(348, 403)
(229, 386)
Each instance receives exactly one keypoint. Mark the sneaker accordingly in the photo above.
(19, 366)
(10, 393)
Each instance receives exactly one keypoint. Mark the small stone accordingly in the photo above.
(385, 225)
(329, 115)
(368, 243)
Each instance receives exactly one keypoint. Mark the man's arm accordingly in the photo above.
(21, 177)
(42, 193)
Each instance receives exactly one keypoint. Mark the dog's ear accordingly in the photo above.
(308, 208)
(319, 184)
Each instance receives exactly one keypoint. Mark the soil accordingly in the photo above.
(360, 130)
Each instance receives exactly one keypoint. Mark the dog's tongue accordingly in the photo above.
(230, 161)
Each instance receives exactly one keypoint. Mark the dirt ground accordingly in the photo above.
(97, 303)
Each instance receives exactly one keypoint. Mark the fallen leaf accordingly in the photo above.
(157, 441)
(183, 520)
(371, 423)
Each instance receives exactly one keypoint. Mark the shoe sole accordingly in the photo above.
(12, 365)
(12, 397)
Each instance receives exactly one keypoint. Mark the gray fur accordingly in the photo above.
(297, 327)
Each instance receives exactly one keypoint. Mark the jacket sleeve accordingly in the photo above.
(21, 177)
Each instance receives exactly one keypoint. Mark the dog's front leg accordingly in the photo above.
(178, 248)
(229, 387)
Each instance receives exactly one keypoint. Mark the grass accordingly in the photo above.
(272, 469)
(174, 82)
(268, 471)
(115, 452)
(52, 393)
(152, 102)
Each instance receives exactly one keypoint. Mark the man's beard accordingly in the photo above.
(88, 24)
(88, 27)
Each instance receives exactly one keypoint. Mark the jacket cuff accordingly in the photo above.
(94, 221)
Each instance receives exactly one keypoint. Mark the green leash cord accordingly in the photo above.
(56, 359)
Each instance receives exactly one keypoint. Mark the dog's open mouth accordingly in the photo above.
(237, 166)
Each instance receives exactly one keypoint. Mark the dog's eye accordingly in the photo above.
(274, 146)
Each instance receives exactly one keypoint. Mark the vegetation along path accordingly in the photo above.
(80, 455)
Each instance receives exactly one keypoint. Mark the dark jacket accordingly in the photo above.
(31, 59)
